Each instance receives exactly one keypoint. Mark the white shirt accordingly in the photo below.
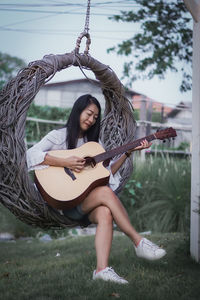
(56, 140)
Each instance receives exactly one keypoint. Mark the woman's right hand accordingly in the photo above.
(74, 163)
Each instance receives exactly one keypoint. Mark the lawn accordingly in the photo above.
(62, 269)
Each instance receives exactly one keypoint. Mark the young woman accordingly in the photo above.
(101, 206)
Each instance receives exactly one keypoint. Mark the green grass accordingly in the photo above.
(31, 270)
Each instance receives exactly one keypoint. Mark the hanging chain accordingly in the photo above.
(84, 33)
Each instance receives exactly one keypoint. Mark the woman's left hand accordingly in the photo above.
(144, 145)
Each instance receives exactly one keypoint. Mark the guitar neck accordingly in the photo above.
(121, 149)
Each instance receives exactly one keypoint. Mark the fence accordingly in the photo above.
(179, 117)
(144, 128)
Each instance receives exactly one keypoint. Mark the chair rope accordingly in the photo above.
(85, 33)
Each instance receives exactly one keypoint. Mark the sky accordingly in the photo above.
(32, 29)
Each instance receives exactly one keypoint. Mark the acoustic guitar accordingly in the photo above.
(63, 188)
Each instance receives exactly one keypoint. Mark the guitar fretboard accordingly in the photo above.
(111, 153)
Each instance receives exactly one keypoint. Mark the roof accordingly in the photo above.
(96, 82)
(157, 106)
(180, 107)
(61, 83)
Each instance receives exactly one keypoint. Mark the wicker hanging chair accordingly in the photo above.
(17, 191)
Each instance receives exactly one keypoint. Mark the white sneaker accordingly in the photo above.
(146, 249)
(108, 274)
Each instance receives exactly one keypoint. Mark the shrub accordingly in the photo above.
(36, 130)
(162, 203)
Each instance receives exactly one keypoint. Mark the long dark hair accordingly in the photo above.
(73, 123)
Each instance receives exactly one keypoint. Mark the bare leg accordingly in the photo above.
(104, 233)
(106, 197)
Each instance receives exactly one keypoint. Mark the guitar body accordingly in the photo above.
(64, 191)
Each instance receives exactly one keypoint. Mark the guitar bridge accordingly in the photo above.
(70, 173)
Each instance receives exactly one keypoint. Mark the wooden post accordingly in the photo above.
(162, 113)
(149, 117)
(143, 116)
(195, 180)
(194, 8)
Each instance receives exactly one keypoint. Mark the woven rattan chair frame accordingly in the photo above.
(17, 191)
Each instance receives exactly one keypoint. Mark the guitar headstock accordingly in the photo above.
(165, 133)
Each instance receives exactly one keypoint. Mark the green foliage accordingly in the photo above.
(136, 114)
(156, 116)
(36, 130)
(130, 190)
(162, 204)
(164, 38)
(9, 66)
(9, 223)
(48, 112)
(184, 146)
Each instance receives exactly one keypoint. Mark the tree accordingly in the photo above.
(9, 66)
(163, 43)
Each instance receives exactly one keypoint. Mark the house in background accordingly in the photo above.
(146, 107)
(182, 114)
(182, 117)
(156, 106)
(64, 94)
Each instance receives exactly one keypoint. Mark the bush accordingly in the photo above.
(156, 116)
(35, 130)
(161, 198)
(10, 223)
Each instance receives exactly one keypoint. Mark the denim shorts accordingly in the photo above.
(76, 214)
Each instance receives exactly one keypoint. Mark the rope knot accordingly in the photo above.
(78, 42)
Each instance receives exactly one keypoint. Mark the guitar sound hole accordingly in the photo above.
(89, 162)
